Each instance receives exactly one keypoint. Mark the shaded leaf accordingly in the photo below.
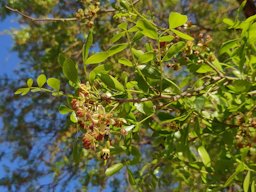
(147, 28)
(87, 46)
(111, 82)
(70, 70)
(173, 50)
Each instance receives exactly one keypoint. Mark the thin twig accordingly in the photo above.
(40, 19)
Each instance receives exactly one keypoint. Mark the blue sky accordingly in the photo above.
(8, 62)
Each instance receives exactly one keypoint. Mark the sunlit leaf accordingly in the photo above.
(114, 169)
(54, 83)
(41, 80)
(204, 156)
(97, 58)
(247, 181)
(173, 50)
(176, 20)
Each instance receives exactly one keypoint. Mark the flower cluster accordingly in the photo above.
(93, 119)
(89, 13)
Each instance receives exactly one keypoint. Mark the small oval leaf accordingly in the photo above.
(114, 169)
(41, 80)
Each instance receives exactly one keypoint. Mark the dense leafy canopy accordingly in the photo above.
(148, 100)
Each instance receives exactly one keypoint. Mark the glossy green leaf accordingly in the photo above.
(114, 169)
(54, 83)
(111, 82)
(204, 156)
(73, 117)
(117, 48)
(22, 91)
(173, 50)
(182, 35)
(63, 109)
(97, 58)
(125, 62)
(246, 183)
(146, 57)
(176, 20)
(29, 82)
(147, 28)
(41, 80)
(87, 45)
(70, 70)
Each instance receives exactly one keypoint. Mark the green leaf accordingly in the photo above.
(76, 152)
(37, 89)
(111, 82)
(29, 82)
(146, 57)
(123, 26)
(167, 38)
(125, 62)
(247, 182)
(173, 50)
(114, 169)
(204, 156)
(239, 86)
(63, 109)
(97, 58)
(117, 48)
(239, 169)
(73, 117)
(147, 28)
(228, 21)
(176, 20)
(41, 80)
(116, 37)
(130, 177)
(22, 91)
(137, 52)
(87, 46)
(99, 69)
(61, 59)
(253, 186)
(70, 70)
(54, 83)
(225, 47)
(182, 35)
(205, 69)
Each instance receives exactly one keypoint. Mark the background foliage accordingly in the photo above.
(157, 99)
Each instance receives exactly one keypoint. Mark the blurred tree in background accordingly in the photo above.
(177, 94)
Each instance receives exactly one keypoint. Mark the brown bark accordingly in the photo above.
(249, 8)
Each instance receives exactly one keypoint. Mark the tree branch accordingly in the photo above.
(40, 19)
